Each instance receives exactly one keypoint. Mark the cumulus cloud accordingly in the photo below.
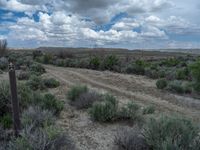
(100, 11)
(126, 24)
(15, 5)
(74, 22)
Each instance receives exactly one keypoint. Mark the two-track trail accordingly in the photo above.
(125, 87)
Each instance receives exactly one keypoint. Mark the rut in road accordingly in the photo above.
(131, 87)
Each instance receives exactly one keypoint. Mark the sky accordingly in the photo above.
(132, 24)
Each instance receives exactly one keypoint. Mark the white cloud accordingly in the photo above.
(126, 24)
(63, 22)
(15, 5)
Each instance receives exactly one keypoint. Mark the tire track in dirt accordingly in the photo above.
(73, 76)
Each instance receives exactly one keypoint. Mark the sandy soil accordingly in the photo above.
(89, 135)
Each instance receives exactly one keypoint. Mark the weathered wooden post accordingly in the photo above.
(15, 103)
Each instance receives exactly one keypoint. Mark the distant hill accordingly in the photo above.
(53, 49)
(57, 49)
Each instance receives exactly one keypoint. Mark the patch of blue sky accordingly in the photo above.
(108, 26)
(185, 37)
(4, 15)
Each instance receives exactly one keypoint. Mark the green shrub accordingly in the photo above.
(6, 121)
(49, 102)
(195, 70)
(83, 63)
(153, 74)
(173, 132)
(36, 83)
(51, 83)
(171, 62)
(136, 68)
(23, 61)
(5, 102)
(3, 63)
(37, 53)
(65, 54)
(25, 95)
(37, 117)
(76, 91)
(176, 87)
(49, 138)
(130, 139)
(94, 62)
(182, 74)
(130, 112)
(86, 100)
(110, 62)
(37, 69)
(104, 111)
(4, 138)
(187, 87)
(61, 63)
(149, 110)
(161, 84)
(171, 74)
(47, 58)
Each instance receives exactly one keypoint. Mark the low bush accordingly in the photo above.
(37, 69)
(136, 68)
(25, 95)
(83, 63)
(4, 138)
(106, 110)
(50, 103)
(36, 83)
(5, 102)
(86, 100)
(37, 117)
(94, 62)
(196, 87)
(6, 121)
(65, 54)
(171, 74)
(149, 110)
(176, 87)
(23, 75)
(182, 74)
(130, 139)
(3, 63)
(75, 92)
(161, 84)
(153, 74)
(23, 62)
(36, 54)
(187, 87)
(171, 62)
(171, 133)
(49, 138)
(60, 63)
(51, 83)
(130, 112)
(109, 62)
(47, 58)
(195, 70)
(1, 72)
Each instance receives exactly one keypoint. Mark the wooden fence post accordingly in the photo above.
(15, 103)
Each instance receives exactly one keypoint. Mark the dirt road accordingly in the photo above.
(125, 87)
